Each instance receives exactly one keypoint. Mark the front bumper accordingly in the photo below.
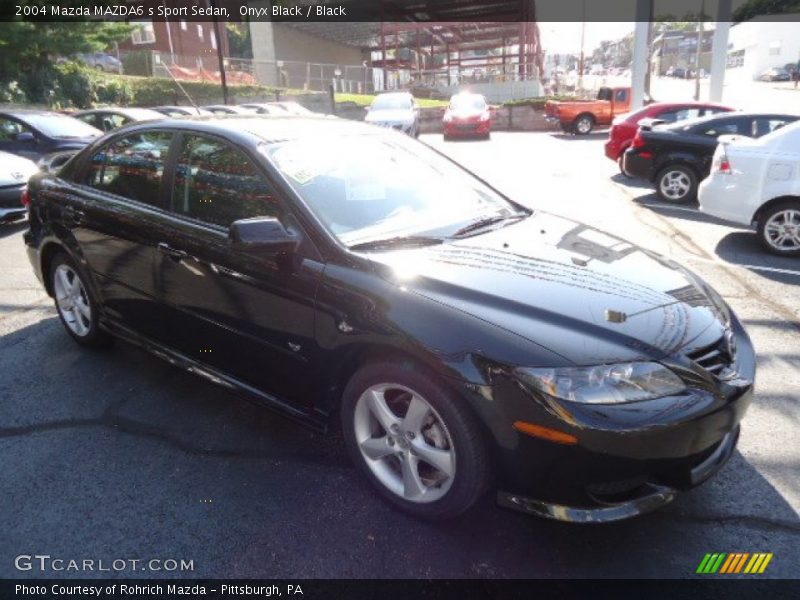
(467, 128)
(646, 498)
(636, 165)
(627, 458)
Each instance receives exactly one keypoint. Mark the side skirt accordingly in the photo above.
(309, 419)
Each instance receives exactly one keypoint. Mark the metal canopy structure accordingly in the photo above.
(439, 37)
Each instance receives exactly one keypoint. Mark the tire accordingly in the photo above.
(76, 308)
(781, 219)
(583, 125)
(440, 430)
(621, 170)
(676, 184)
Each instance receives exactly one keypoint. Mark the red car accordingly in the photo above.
(624, 127)
(467, 115)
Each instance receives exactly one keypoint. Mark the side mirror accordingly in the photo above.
(262, 232)
(53, 162)
(26, 136)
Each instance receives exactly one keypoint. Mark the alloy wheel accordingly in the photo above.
(675, 185)
(782, 230)
(584, 125)
(404, 442)
(72, 300)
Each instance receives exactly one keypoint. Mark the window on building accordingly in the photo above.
(184, 26)
(200, 31)
(143, 32)
(775, 48)
(213, 37)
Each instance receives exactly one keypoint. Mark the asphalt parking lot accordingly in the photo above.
(116, 454)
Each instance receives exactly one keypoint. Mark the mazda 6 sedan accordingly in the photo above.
(349, 275)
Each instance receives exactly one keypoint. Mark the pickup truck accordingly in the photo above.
(581, 116)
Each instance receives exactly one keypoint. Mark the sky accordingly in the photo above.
(565, 38)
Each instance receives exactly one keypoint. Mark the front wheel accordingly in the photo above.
(676, 184)
(423, 452)
(77, 310)
(779, 229)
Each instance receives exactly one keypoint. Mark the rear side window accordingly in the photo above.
(764, 125)
(718, 128)
(218, 184)
(680, 114)
(131, 167)
(621, 96)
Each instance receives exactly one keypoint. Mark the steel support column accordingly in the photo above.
(644, 14)
(719, 51)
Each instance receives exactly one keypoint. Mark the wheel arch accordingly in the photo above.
(770, 203)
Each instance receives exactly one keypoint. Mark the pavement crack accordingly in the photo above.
(751, 521)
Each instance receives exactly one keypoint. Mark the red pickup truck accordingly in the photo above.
(581, 116)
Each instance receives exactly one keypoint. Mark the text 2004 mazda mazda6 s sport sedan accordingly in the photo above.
(338, 271)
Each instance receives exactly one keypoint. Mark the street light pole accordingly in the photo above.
(222, 78)
(583, 37)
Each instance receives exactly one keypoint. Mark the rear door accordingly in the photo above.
(246, 313)
(118, 219)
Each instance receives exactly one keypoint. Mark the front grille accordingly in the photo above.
(714, 358)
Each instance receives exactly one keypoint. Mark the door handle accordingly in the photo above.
(173, 253)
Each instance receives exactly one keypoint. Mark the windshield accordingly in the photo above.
(469, 102)
(60, 126)
(374, 187)
(392, 101)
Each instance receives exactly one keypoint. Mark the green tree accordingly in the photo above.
(239, 40)
(30, 50)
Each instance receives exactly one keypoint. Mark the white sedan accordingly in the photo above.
(757, 182)
(14, 174)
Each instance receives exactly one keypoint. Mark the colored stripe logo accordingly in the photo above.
(735, 562)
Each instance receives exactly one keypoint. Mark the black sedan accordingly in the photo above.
(677, 157)
(35, 134)
(775, 74)
(110, 118)
(339, 272)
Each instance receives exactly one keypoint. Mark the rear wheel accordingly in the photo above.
(779, 228)
(583, 125)
(677, 184)
(76, 308)
(423, 452)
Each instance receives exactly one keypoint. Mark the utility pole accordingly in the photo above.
(700, 31)
(222, 78)
(583, 37)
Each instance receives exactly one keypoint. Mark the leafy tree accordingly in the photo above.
(755, 8)
(239, 40)
(30, 49)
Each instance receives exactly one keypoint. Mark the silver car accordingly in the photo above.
(397, 110)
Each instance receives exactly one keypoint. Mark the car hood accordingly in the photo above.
(588, 296)
(393, 116)
(15, 170)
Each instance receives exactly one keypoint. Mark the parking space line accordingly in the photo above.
(691, 258)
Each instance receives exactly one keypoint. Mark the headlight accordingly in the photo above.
(604, 384)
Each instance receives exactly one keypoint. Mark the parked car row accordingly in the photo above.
(678, 146)
(467, 115)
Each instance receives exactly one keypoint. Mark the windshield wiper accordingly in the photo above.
(394, 242)
(486, 222)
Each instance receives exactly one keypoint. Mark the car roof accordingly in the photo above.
(263, 128)
(727, 115)
(122, 110)
(23, 112)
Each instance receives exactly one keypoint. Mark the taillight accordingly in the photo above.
(25, 198)
(638, 140)
(724, 163)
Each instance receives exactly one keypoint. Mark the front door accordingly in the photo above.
(247, 313)
(118, 216)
